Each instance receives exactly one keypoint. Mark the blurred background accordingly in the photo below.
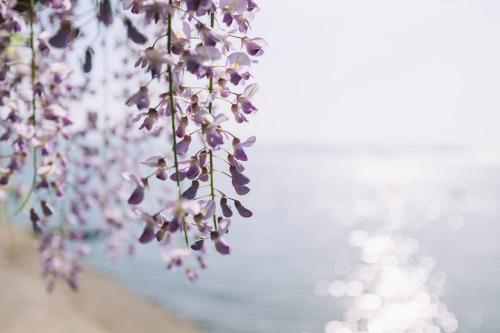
(375, 177)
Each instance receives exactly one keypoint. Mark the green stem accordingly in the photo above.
(210, 153)
(172, 112)
(33, 102)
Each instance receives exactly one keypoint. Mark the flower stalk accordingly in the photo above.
(33, 103)
(211, 90)
(172, 112)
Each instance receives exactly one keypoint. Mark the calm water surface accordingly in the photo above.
(380, 240)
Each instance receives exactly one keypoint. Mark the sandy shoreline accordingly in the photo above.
(101, 305)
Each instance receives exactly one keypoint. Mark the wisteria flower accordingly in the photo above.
(191, 60)
(175, 257)
(244, 212)
(154, 59)
(60, 5)
(237, 64)
(150, 122)
(255, 46)
(140, 98)
(244, 100)
(211, 36)
(234, 6)
(181, 36)
(66, 33)
(134, 5)
(194, 5)
(226, 210)
(157, 11)
(160, 163)
(134, 34)
(183, 145)
(238, 146)
(209, 124)
(138, 195)
(220, 244)
(148, 233)
(105, 13)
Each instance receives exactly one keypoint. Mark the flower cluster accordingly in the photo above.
(201, 59)
(191, 70)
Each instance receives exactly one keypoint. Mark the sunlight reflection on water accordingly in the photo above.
(387, 284)
(392, 290)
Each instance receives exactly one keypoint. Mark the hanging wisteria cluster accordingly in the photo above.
(187, 66)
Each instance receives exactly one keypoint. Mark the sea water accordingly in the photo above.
(347, 240)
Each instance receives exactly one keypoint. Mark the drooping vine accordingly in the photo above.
(188, 65)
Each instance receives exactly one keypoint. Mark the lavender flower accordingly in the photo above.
(105, 13)
(244, 212)
(134, 34)
(192, 61)
(138, 195)
(66, 33)
(155, 60)
(239, 153)
(220, 244)
(87, 66)
(255, 46)
(226, 210)
(194, 5)
(140, 98)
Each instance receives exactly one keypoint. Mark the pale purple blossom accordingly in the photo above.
(135, 6)
(66, 33)
(105, 13)
(220, 244)
(238, 146)
(255, 46)
(154, 59)
(140, 98)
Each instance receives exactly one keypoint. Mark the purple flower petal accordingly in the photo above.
(4, 180)
(87, 65)
(173, 225)
(105, 13)
(183, 145)
(222, 247)
(160, 234)
(137, 196)
(153, 161)
(140, 98)
(249, 142)
(233, 161)
(204, 176)
(238, 177)
(224, 225)
(148, 234)
(198, 245)
(182, 176)
(240, 189)
(193, 171)
(36, 228)
(190, 193)
(226, 210)
(34, 216)
(209, 209)
(238, 62)
(64, 35)
(45, 208)
(242, 210)
(255, 46)
(161, 173)
(134, 34)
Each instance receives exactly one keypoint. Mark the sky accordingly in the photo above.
(376, 72)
